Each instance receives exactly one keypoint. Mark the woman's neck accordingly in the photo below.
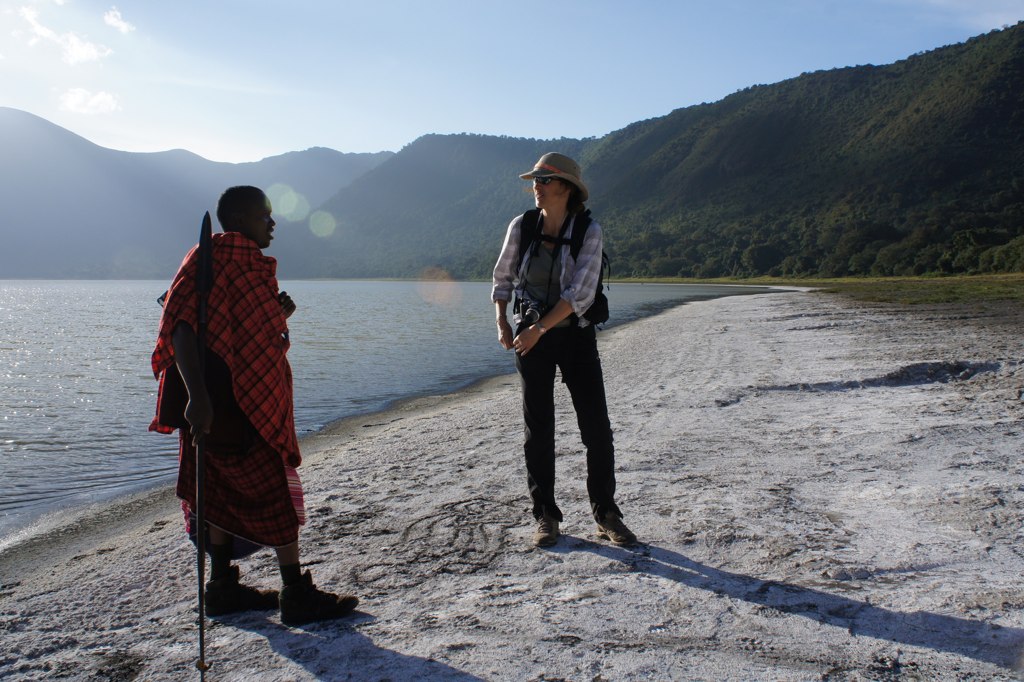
(553, 220)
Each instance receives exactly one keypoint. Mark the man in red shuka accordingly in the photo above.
(242, 404)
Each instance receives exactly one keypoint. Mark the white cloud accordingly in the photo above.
(81, 101)
(979, 14)
(75, 50)
(113, 18)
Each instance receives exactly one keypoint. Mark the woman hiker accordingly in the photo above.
(553, 291)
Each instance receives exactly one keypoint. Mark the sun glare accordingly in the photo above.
(437, 287)
(288, 203)
(322, 224)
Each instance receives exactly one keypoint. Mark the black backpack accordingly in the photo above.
(597, 313)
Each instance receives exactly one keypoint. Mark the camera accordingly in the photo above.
(530, 311)
(531, 315)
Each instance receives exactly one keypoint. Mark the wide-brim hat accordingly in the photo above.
(555, 165)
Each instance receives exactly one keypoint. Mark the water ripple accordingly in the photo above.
(78, 394)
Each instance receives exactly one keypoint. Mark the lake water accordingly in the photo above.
(78, 394)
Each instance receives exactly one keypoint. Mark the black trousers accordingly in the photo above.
(573, 350)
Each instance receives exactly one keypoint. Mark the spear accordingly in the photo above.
(204, 282)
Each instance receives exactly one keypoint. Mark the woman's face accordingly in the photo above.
(554, 194)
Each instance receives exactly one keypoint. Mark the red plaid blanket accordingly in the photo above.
(246, 329)
(249, 493)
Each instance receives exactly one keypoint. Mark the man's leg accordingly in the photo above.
(220, 553)
(288, 561)
(303, 602)
(224, 593)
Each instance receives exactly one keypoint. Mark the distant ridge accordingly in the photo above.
(911, 168)
(903, 169)
(74, 209)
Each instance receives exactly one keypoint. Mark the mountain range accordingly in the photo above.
(78, 210)
(909, 168)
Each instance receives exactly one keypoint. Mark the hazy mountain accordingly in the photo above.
(912, 167)
(441, 202)
(74, 209)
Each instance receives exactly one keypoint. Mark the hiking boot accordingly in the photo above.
(226, 595)
(612, 528)
(546, 533)
(303, 602)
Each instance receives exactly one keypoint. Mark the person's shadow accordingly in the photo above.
(337, 650)
(1002, 646)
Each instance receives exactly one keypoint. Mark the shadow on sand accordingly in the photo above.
(994, 644)
(337, 650)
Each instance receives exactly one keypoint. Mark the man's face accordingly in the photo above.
(256, 224)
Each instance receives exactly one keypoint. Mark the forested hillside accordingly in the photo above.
(916, 167)
(904, 169)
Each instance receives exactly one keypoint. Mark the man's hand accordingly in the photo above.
(199, 415)
(199, 410)
(287, 304)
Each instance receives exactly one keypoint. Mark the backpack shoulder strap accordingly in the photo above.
(579, 231)
(527, 233)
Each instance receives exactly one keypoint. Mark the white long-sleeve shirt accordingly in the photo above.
(578, 277)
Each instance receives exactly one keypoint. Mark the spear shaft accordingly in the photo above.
(204, 282)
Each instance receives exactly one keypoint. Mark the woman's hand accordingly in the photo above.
(504, 333)
(527, 339)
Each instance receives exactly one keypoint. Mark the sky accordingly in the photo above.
(240, 80)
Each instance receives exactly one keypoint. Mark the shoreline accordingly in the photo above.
(81, 528)
(823, 488)
(85, 520)
(31, 505)
(86, 526)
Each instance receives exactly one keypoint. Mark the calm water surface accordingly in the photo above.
(78, 394)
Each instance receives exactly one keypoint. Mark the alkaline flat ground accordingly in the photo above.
(825, 491)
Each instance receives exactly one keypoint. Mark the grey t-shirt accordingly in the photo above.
(542, 278)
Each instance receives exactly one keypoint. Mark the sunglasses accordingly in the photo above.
(543, 181)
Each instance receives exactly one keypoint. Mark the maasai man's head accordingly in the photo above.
(246, 210)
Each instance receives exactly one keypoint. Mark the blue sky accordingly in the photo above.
(239, 80)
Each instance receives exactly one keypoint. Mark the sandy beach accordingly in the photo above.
(824, 491)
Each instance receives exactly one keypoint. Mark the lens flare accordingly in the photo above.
(437, 287)
(288, 203)
(322, 224)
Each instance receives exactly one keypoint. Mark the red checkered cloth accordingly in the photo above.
(246, 328)
(249, 493)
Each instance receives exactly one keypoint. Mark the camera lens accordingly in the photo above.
(531, 316)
